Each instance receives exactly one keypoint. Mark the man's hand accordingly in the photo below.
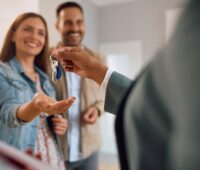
(91, 115)
(79, 61)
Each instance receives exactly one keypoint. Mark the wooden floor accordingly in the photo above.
(108, 167)
(108, 162)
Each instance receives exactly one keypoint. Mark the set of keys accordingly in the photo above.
(55, 69)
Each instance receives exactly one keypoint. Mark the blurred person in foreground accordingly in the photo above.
(27, 96)
(157, 123)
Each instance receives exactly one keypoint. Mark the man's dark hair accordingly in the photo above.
(68, 4)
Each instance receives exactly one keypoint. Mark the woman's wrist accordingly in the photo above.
(28, 111)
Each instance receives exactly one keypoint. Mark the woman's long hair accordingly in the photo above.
(8, 50)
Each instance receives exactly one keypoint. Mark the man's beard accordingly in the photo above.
(68, 42)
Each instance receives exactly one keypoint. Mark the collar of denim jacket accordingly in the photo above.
(16, 66)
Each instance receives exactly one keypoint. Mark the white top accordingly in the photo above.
(73, 134)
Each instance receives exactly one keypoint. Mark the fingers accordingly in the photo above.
(36, 155)
(29, 151)
(49, 105)
(68, 65)
(60, 106)
(91, 115)
(65, 52)
(65, 104)
(90, 118)
(60, 125)
(60, 130)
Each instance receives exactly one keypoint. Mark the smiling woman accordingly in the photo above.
(29, 39)
(25, 107)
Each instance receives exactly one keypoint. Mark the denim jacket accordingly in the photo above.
(16, 89)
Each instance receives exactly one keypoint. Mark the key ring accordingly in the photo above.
(56, 71)
(51, 58)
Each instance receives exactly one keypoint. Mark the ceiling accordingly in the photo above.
(109, 2)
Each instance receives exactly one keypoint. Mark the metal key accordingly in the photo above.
(54, 65)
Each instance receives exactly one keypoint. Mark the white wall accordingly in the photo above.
(142, 20)
(9, 9)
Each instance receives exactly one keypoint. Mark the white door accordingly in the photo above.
(125, 58)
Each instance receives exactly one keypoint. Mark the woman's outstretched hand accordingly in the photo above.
(44, 103)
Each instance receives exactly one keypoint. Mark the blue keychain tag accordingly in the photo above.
(56, 70)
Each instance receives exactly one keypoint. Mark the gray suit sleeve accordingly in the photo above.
(117, 86)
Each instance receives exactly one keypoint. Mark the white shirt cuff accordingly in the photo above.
(102, 90)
